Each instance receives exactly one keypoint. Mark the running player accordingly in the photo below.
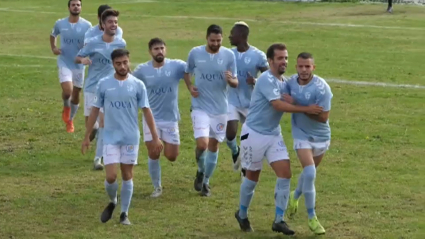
(311, 133)
(120, 95)
(214, 67)
(97, 30)
(97, 54)
(249, 61)
(71, 76)
(161, 77)
(261, 137)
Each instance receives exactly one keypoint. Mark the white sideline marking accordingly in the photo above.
(22, 66)
(347, 82)
(238, 19)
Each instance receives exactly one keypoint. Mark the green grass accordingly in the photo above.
(371, 184)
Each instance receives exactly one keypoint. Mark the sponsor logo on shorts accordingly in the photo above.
(220, 127)
(130, 148)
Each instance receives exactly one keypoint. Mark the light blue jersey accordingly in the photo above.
(262, 117)
(95, 31)
(250, 61)
(100, 55)
(210, 78)
(71, 40)
(162, 85)
(121, 101)
(317, 91)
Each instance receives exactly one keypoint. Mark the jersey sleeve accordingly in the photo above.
(324, 96)
(232, 65)
(55, 30)
(99, 98)
(262, 60)
(268, 88)
(120, 32)
(86, 50)
(142, 96)
(190, 66)
(181, 69)
(285, 89)
(138, 72)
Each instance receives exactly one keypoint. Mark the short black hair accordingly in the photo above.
(273, 47)
(305, 55)
(216, 29)
(244, 30)
(102, 8)
(69, 2)
(155, 41)
(119, 53)
(109, 12)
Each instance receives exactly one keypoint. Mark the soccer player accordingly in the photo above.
(249, 62)
(261, 137)
(311, 133)
(161, 77)
(121, 95)
(214, 67)
(97, 54)
(71, 76)
(98, 30)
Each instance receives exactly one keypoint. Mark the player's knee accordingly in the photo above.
(154, 155)
(309, 173)
(126, 175)
(111, 178)
(171, 156)
(66, 95)
(201, 145)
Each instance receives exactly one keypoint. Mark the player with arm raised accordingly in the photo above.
(121, 95)
(97, 54)
(71, 75)
(311, 133)
(261, 137)
(98, 30)
(249, 62)
(161, 77)
(214, 67)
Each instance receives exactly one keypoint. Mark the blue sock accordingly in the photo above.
(99, 143)
(233, 146)
(112, 189)
(210, 163)
(246, 193)
(281, 197)
(155, 172)
(309, 190)
(200, 158)
(126, 194)
(299, 189)
(74, 109)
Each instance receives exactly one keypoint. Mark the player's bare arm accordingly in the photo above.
(283, 106)
(156, 142)
(94, 113)
(232, 81)
(188, 81)
(55, 50)
(321, 117)
(82, 60)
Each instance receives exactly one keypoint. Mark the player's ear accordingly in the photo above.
(314, 67)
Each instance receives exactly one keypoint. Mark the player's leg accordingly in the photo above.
(88, 101)
(390, 6)
(201, 129)
(231, 131)
(253, 147)
(97, 162)
(154, 165)
(217, 134)
(65, 79)
(278, 158)
(242, 117)
(112, 159)
(129, 155)
(77, 80)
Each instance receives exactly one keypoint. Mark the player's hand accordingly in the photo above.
(288, 99)
(86, 61)
(228, 76)
(250, 80)
(314, 109)
(85, 145)
(194, 91)
(156, 146)
(56, 51)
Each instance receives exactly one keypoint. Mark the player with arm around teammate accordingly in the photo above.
(98, 30)
(71, 75)
(97, 53)
(261, 137)
(249, 62)
(311, 133)
(214, 67)
(161, 77)
(121, 95)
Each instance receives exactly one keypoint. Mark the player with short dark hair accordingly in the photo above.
(98, 30)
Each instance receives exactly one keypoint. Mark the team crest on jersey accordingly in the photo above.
(78, 29)
(307, 95)
(220, 127)
(219, 61)
(130, 148)
(167, 73)
(247, 60)
(130, 88)
(276, 91)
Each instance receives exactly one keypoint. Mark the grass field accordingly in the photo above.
(371, 184)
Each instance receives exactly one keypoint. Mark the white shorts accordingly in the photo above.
(234, 113)
(88, 103)
(167, 131)
(75, 76)
(211, 126)
(318, 148)
(255, 147)
(124, 154)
